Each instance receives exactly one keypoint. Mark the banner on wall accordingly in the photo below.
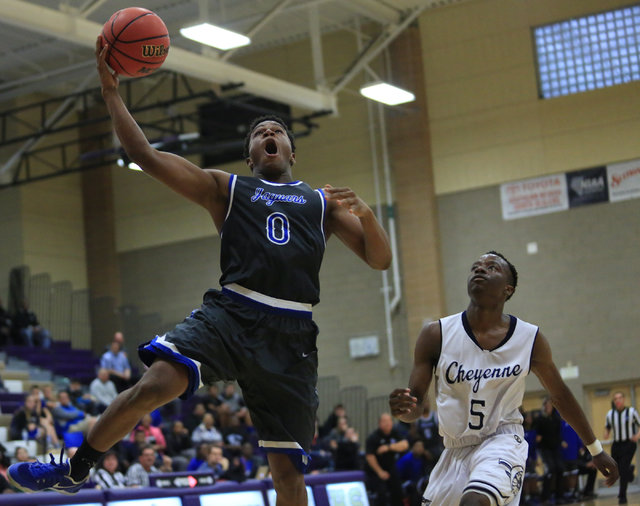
(624, 180)
(532, 197)
(587, 186)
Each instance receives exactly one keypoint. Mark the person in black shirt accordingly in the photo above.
(548, 427)
(258, 329)
(383, 447)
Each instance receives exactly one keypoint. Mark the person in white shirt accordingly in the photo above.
(480, 358)
(103, 389)
(106, 473)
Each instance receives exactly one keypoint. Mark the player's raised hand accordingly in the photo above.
(401, 401)
(347, 198)
(108, 79)
(607, 466)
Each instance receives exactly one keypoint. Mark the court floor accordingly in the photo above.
(610, 499)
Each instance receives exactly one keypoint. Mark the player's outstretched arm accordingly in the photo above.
(545, 369)
(204, 187)
(406, 403)
(353, 221)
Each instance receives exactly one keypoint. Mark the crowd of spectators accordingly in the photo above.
(213, 432)
(557, 459)
(22, 327)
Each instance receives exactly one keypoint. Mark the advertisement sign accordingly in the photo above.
(250, 498)
(587, 186)
(624, 180)
(347, 494)
(157, 501)
(532, 197)
(271, 494)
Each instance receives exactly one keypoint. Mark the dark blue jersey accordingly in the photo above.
(273, 238)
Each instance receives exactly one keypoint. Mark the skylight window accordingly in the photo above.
(588, 53)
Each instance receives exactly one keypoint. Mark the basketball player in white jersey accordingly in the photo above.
(480, 359)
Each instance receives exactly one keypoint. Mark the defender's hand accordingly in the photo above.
(607, 466)
(401, 401)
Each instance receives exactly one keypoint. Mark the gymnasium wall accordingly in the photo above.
(487, 123)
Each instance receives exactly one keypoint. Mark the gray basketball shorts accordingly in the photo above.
(271, 353)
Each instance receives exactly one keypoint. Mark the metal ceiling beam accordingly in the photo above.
(84, 32)
(376, 10)
(385, 38)
(260, 25)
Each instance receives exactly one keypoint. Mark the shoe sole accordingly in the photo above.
(15, 484)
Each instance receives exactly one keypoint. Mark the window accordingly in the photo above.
(587, 53)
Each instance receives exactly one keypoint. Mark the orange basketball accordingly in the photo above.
(138, 41)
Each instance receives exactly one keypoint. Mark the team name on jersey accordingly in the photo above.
(456, 373)
(270, 198)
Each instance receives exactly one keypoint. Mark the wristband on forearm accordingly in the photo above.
(595, 448)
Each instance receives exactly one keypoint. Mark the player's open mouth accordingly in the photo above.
(271, 147)
(477, 277)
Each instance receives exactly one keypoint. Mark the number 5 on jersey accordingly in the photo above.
(476, 413)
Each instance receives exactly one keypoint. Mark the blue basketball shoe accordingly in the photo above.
(39, 476)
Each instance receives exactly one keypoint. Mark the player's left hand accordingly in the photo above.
(607, 466)
(347, 198)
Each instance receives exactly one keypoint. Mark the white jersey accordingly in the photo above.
(479, 390)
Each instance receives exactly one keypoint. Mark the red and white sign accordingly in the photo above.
(532, 197)
(624, 180)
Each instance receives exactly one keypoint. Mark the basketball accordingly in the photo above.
(138, 41)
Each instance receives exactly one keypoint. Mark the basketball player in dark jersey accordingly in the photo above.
(256, 330)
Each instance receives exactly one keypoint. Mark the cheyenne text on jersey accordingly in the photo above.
(460, 375)
(270, 198)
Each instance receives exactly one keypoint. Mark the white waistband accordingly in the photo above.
(266, 299)
(507, 428)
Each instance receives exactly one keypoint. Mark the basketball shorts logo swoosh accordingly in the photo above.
(305, 355)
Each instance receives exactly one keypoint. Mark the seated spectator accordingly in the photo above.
(232, 403)
(530, 489)
(343, 441)
(250, 461)
(202, 452)
(321, 456)
(6, 326)
(103, 390)
(383, 447)
(211, 399)
(206, 432)
(234, 436)
(5, 460)
(5, 488)
(588, 468)
(193, 419)
(153, 435)
(107, 473)
(21, 454)
(116, 362)
(33, 422)
(69, 418)
(179, 446)
(427, 428)
(138, 473)
(28, 327)
(80, 397)
(216, 462)
(131, 450)
(332, 420)
(413, 470)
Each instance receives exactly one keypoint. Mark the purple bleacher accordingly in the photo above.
(9, 407)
